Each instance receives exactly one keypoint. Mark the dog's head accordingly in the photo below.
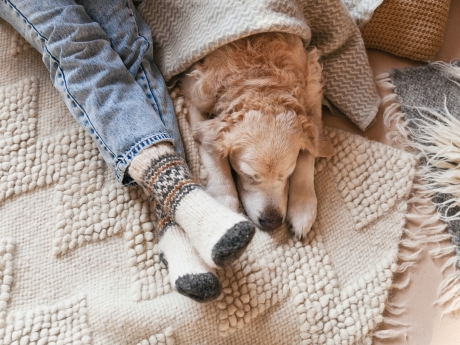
(263, 152)
(268, 113)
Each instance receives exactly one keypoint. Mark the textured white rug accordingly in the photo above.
(79, 264)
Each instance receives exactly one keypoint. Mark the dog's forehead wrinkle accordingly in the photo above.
(266, 166)
(261, 129)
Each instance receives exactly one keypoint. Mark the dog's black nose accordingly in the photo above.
(270, 221)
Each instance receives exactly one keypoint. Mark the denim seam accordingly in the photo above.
(152, 93)
(142, 65)
(63, 77)
(96, 133)
(25, 18)
(137, 26)
(122, 161)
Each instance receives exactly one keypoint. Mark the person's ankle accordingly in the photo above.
(143, 161)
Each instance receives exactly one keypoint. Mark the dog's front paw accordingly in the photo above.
(225, 195)
(301, 217)
(228, 200)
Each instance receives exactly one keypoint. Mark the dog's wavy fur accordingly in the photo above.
(271, 73)
(262, 91)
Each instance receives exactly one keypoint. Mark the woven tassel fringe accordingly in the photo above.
(438, 143)
(395, 309)
(390, 334)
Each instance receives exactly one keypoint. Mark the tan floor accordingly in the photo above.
(427, 326)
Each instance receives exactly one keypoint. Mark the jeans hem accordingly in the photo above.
(122, 163)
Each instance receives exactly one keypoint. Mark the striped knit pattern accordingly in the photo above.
(169, 180)
(163, 220)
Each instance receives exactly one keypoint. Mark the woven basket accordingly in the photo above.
(409, 28)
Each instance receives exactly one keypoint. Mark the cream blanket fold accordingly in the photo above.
(79, 262)
(185, 31)
(426, 114)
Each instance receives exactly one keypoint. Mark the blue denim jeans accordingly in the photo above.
(100, 57)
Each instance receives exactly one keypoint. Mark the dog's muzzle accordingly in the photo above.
(270, 219)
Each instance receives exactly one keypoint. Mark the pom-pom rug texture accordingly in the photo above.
(79, 262)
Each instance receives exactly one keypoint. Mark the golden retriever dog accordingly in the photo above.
(255, 107)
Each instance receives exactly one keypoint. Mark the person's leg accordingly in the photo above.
(107, 101)
(187, 273)
(218, 234)
(201, 217)
(94, 82)
(131, 39)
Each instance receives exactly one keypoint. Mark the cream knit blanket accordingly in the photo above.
(78, 256)
(184, 31)
(361, 10)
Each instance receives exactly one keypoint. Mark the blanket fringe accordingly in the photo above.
(403, 267)
(450, 70)
(412, 242)
(395, 309)
(441, 252)
(402, 285)
(405, 260)
(390, 334)
(395, 323)
(384, 81)
(449, 292)
(436, 142)
(392, 116)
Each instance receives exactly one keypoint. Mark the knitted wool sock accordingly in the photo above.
(187, 273)
(218, 234)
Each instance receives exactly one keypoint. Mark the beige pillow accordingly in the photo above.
(409, 28)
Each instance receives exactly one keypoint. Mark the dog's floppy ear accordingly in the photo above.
(315, 141)
(222, 136)
(215, 135)
(224, 142)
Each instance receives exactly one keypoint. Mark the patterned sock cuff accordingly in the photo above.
(168, 178)
(164, 176)
(143, 160)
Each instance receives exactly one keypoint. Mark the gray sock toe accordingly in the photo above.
(203, 287)
(233, 243)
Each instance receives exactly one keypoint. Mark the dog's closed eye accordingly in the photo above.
(252, 179)
(283, 177)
